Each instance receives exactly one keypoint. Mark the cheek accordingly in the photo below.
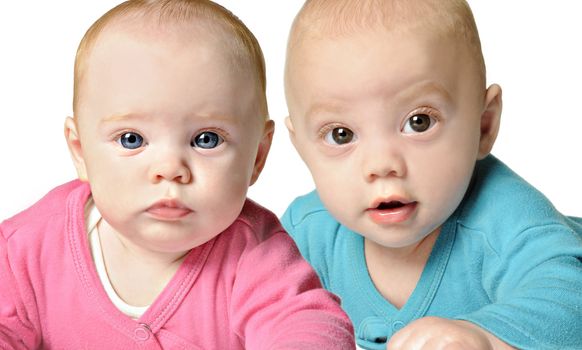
(225, 177)
(114, 192)
(222, 188)
(337, 184)
(451, 158)
(111, 178)
(443, 177)
(117, 173)
(465, 135)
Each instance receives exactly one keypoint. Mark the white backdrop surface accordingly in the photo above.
(532, 49)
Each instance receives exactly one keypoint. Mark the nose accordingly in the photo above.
(170, 168)
(382, 162)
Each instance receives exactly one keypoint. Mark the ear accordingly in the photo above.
(264, 147)
(490, 120)
(291, 129)
(74, 143)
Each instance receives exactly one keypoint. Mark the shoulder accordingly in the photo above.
(308, 211)
(305, 208)
(258, 220)
(46, 212)
(256, 238)
(255, 227)
(307, 218)
(503, 206)
(316, 231)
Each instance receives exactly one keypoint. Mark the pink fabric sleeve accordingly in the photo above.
(16, 327)
(278, 302)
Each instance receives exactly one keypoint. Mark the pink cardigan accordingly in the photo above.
(246, 288)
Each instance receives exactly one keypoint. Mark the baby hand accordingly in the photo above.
(436, 333)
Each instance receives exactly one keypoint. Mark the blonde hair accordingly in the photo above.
(244, 46)
(333, 18)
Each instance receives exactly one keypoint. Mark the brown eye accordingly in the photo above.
(418, 123)
(339, 136)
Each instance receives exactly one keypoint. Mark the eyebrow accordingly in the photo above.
(324, 107)
(410, 93)
(124, 117)
(135, 116)
(426, 88)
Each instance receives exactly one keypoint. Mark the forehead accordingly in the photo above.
(173, 38)
(132, 70)
(369, 63)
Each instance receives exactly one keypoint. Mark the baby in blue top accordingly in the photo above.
(429, 240)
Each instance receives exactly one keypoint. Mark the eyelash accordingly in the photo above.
(425, 110)
(421, 110)
(221, 132)
(119, 134)
(225, 135)
(327, 128)
(430, 111)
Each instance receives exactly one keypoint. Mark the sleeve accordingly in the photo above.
(286, 220)
(535, 289)
(300, 235)
(287, 223)
(278, 302)
(16, 328)
(311, 237)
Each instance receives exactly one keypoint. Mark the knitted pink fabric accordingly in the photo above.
(246, 288)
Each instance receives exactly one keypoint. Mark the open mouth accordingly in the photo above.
(390, 205)
(392, 211)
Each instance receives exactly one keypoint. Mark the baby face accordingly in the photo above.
(169, 132)
(389, 125)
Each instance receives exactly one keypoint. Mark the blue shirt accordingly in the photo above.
(506, 260)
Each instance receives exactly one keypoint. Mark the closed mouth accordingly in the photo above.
(169, 210)
(169, 203)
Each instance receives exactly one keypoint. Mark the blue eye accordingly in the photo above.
(207, 140)
(130, 140)
(418, 123)
(339, 136)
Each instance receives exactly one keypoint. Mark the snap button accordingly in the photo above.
(373, 331)
(142, 333)
(397, 325)
(380, 340)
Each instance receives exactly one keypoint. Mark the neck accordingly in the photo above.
(137, 274)
(418, 251)
(395, 272)
(114, 243)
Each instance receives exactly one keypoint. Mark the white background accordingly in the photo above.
(532, 49)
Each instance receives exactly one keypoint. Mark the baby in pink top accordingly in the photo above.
(170, 128)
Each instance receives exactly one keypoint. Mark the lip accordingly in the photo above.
(392, 215)
(169, 210)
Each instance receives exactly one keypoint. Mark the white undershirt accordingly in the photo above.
(92, 218)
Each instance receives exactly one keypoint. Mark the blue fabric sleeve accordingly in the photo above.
(535, 290)
(309, 235)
